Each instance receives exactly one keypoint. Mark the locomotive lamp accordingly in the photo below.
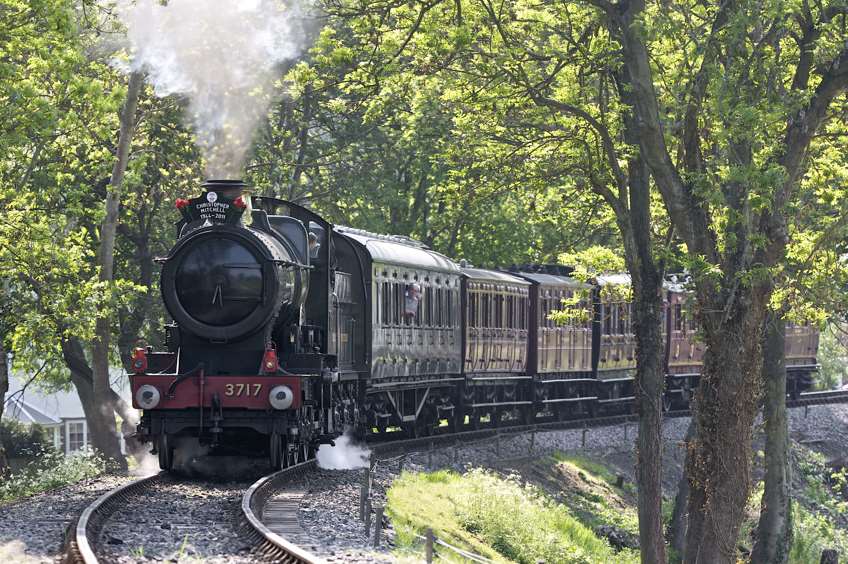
(281, 397)
(147, 396)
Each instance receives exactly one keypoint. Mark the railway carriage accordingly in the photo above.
(495, 318)
(412, 355)
(560, 354)
(614, 364)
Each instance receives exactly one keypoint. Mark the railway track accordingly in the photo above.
(269, 510)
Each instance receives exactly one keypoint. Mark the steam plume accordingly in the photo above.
(344, 456)
(223, 56)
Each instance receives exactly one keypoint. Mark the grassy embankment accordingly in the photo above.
(505, 519)
(575, 511)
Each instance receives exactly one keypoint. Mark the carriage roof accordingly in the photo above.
(399, 250)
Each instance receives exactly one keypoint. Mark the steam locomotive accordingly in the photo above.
(287, 330)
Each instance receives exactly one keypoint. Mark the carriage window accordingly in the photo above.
(384, 303)
(397, 315)
(510, 312)
(439, 309)
(411, 304)
(524, 312)
(486, 310)
(425, 307)
(449, 299)
(622, 318)
(606, 312)
(678, 317)
(543, 312)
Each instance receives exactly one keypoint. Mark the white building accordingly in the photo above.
(59, 412)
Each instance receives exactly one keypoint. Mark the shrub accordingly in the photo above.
(24, 441)
(48, 471)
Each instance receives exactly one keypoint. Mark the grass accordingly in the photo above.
(49, 471)
(494, 516)
(590, 491)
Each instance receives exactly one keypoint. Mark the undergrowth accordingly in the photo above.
(48, 471)
(496, 517)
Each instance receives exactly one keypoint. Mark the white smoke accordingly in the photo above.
(146, 464)
(223, 56)
(344, 456)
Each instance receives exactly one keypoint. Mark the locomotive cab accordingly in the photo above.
(246, 367)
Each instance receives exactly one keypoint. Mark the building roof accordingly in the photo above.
(52, 405)
(15, 407)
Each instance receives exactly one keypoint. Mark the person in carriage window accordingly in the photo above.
(412, 297)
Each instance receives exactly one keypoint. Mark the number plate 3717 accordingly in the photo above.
(242, 390)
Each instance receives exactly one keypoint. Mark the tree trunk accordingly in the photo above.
(4, 387)
(650, 381)
(677, 526)
(647, 277)
(726, 404)
(774, 531)
(105, 436)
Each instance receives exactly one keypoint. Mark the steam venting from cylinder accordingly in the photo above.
(223, 56)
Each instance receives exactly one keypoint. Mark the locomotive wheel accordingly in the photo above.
(166, 452)
(276, 452)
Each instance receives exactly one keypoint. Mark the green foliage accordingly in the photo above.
(496, 517)
(51, 470)
(21, 440)
(593, 261)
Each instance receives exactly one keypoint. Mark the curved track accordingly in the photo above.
(81, 540)
(274, 535)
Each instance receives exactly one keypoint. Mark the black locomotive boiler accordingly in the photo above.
(287, 330)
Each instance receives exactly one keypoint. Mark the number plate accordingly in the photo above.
(242, 390)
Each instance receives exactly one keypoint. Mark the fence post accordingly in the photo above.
(583, 439)
(428, 546)
(532, 441)
(626, 427)
(363, 495)
(806, 410)
(378, 525)
(367, 518)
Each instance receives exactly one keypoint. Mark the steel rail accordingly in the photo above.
(269, 545)
(82, 535)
